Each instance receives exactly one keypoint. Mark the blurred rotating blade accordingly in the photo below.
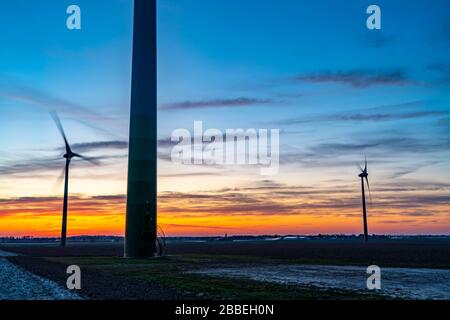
(90, 160)
(368, 187)
(61, 130)
(359, 167)
(58, 181)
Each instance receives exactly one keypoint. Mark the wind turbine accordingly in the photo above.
(68, 156)
(141, 217)
(364, 176)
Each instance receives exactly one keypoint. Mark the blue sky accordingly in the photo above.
(336, 90)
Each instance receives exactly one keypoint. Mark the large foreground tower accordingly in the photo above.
(140, 233)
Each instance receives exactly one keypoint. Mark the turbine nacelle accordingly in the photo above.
(363, 174)
(70, 155)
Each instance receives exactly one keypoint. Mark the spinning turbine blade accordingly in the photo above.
(61, 130)
(368, 187)
(58, 180)
(91, 160)
(365, 164)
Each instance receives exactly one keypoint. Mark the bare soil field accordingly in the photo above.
(106, 275)
(427, 253)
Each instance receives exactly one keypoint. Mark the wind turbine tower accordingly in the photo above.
(141, 224)
(69, 155)
(364, 176)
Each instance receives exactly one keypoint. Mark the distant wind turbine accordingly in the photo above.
(68, 156)
(364, 175)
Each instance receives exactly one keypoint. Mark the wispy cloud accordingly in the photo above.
(405, 170)
(398, 221)
(188, 174)
(360, 117)
(262, 199)
(110, 205)
(216, 103)
(360, 78)
(195, 226)
(32, 165)
(385, 144)
(383, 150)
(12, 90)
(378, 40)
(99, 145)
(46, 164)
(45, 100)
(388, 116)
(393, 112)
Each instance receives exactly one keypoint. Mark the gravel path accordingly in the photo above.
(19, 284)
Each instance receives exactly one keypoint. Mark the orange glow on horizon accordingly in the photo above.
(106, 216)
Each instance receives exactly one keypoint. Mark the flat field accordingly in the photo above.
(243, 269)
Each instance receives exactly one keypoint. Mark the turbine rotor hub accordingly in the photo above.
(363, 175)
(69, 156)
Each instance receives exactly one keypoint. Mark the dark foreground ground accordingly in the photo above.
(106, 275)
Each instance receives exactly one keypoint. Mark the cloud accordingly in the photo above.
(32, 165)
(42, 166)
(376, 114)
(298, 200)
(417, 213)
(40, 99)
(397, 221)
(99, 145)
(189, 174)
(45, 164)
(168, 143)
(359, 117)
(217, 103)
(393, 145)
(326, 154)
(265, 199)
(388, 116)
(46, 101)
(360, 78)
(113, 205)
(412, 168)
(382, 150)
(195, 226)
(378, 40)
(415, 185)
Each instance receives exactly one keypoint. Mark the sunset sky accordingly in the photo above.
(337, 92)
